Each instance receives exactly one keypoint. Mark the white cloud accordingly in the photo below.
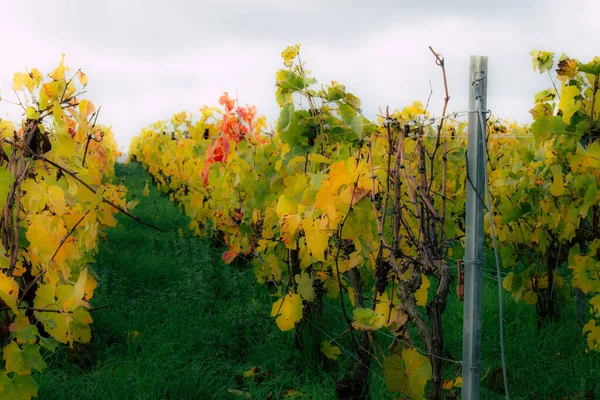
(147, 60)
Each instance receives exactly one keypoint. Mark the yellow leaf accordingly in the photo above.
(366, 319)
(49, 92)
(59, 73)
(32, 113)
(317, 237)
(353, 195)
(45, 234)
(132, 336)
(422, 292)
(289, 54)
(318, 159)
(351, 296)
(64, 146)
(353, 261)
(507, 282)
(567, 69)
(82, 78)
(595, 305)
(90, 286)
(407, 373)
(133, 203)
(451, 384)
(9, 291)
(557, 188)
(592, 333)
(18, 81)
(57, 199)
(567, 104)
(286, 205)
(581, 278)
(79, 288)
(83, 107)
(288, 310)
(289, 227)
(146, 191)
(530, 297)
(389, 312)
(330, 351)
(36, 76)
(7, 129)
(54, 323)
(251, 373)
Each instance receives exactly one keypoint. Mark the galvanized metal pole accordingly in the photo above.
(473, 262)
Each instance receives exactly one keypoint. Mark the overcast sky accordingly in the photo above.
(148, 59)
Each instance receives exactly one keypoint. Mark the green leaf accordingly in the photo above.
(335, 92)
(542, 60)
(81, 326)
(348, 113)
(23, 331)
(294, 134)
(593, 67)
(6, 180)
(305, 286)
(332, 287)
(285, 117)
(545, 95)
(588, 199)
(357, 126)
(48, 343)
(545, 127)
(283, 97)
(352, 100)
(23, 242)
(32, 358)
(17, 388)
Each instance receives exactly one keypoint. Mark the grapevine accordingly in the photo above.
(55, 197)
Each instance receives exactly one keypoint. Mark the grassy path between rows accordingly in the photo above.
(180, 324)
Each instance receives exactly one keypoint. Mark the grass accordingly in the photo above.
(549, 363)
(183, 325)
